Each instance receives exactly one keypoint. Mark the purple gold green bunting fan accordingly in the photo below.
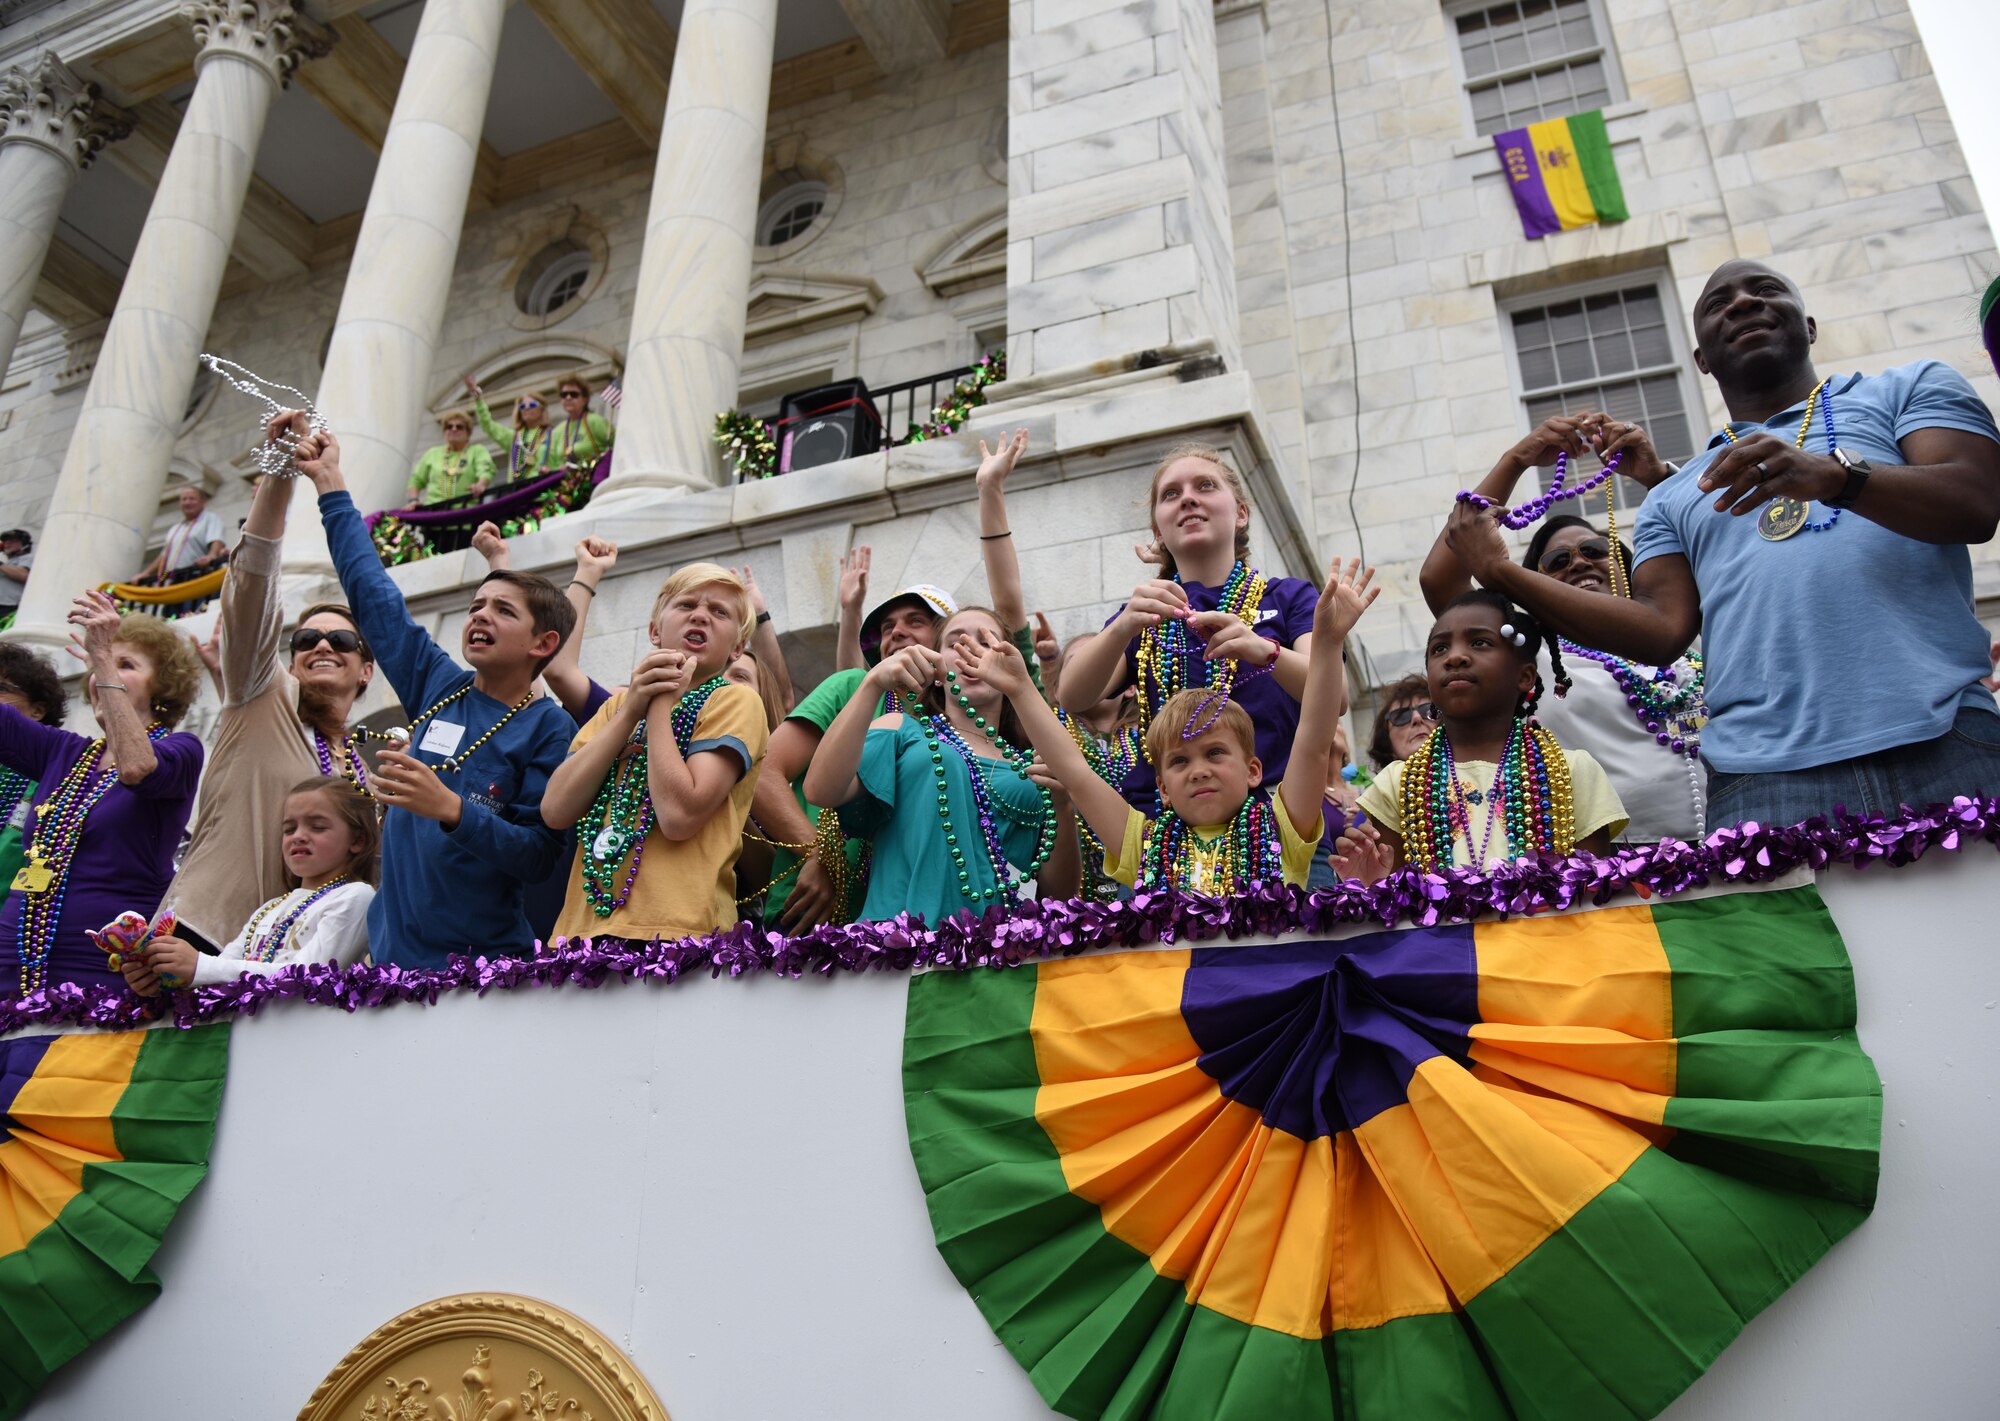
(107, 1134)
(1546, 1167)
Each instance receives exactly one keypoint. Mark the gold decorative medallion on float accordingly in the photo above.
(484, 1357)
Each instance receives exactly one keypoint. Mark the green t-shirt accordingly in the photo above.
(826, 701)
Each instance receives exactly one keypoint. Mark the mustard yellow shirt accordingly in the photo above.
(1295, 853)
(1597, 804)
(684, 886)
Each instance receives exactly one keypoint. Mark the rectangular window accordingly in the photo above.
(1613, 348)
(1527, 60)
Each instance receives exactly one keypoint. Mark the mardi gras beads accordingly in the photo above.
(1531, 795)
(1174, 856)
(623, 808)
(350, 767)
(260, 946)
(940, 734)
(1521, 515)
(1165, 652)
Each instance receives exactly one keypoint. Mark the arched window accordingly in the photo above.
(790, 212)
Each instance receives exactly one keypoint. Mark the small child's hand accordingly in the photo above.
(172, 961)
(1360, 853)
(1047, 647)
(140, 977)
(1346, 596)
(1041, 774)
(997, 663)
(854, 579)
(758, 606)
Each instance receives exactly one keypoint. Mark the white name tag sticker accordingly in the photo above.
(19, 818)
(441, 737)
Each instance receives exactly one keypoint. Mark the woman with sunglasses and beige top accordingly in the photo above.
(285, 708)
(1641, 723)
(454, 468)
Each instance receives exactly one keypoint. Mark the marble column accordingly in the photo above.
(116, 467)
(686, 344)
(51, 125)
(378, 369)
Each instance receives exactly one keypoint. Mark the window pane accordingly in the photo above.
(1650, 346)
(1574, 362)
(1486, 105)
(1538, 369)
(1566, 321)
(1510, 50)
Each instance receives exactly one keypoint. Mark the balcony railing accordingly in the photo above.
(408, 534)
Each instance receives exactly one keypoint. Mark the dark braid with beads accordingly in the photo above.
(1523, 622)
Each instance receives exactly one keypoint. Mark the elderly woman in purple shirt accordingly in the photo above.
(108, 812)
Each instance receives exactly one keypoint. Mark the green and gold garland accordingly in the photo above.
(751, 445)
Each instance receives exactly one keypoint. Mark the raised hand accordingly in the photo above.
(1558, 434)
(1473, 534)
(757, 604)
(854, 580)
(998, 462)
(318, 458)
(1047, 648)
(1642, 463)
(1039, 773)
(95, 619)
(998, 663)
(596, 556)
(487, 542)
(1345, 597)
(471, 385)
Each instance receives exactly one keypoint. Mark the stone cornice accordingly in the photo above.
(44, 102)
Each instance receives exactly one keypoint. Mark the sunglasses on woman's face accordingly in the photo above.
(531, 404)
(340, 639)
(461, 428)
(1403, 715)
(1561, 558)
(572, 394)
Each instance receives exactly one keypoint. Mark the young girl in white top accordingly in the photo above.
(330, 840)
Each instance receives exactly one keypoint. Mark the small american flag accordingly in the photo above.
(613, 394)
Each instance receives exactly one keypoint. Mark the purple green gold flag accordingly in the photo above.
(107, 1134)
(1546, 1167)
(1561, 174)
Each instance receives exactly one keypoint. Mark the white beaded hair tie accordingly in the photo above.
(1518, 638)
(274, 457)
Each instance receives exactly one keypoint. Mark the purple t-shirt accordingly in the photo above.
(1284, 614)
(124, 857)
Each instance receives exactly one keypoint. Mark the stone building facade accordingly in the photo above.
(1274, 225)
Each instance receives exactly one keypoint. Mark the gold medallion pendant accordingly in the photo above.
(1781, 518)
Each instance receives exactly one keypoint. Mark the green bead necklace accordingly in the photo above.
(939, 733)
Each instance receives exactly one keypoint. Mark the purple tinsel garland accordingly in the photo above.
(1745, 853)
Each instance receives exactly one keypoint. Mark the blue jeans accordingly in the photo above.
(1964, 760)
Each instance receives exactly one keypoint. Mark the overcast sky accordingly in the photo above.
(1963, 39)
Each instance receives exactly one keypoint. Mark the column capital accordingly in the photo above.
(45, 102)
(268, 33)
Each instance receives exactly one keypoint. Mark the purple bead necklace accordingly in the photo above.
(1537, 507)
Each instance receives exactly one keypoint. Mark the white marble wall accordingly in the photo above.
(1118, 222)
(1809, 134)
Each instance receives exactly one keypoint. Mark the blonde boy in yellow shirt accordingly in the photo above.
(658, 783)
(1214, 837)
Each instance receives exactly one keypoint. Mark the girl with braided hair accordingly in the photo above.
(1490, 784)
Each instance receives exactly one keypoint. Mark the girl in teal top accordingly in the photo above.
(943, 794)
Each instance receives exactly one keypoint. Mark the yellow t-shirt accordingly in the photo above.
(1597, 804)
(688, 885)
(1295, 854)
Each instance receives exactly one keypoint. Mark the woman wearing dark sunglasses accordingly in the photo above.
(1663, 789)
(286, 703)
(1406, 717)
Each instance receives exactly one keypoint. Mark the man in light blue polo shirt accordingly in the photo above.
(1819, 545)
